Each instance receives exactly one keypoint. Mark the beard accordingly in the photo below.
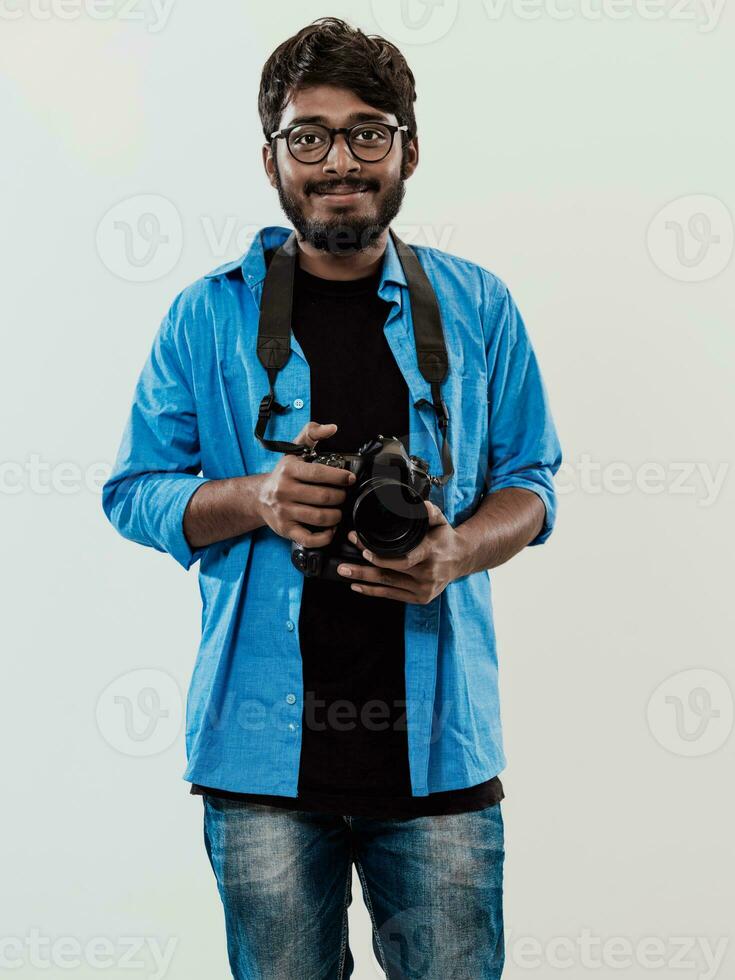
(343, 234)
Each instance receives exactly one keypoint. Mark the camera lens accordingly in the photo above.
(390, 517)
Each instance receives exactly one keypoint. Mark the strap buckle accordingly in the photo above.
(442, 413)
(266, 405)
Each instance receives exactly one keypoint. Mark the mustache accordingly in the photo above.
(356, 185)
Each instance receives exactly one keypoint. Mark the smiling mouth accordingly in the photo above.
(343, 192)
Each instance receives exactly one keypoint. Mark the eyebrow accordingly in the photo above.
(354, 117)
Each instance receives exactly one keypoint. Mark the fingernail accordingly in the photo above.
(368, 555)
(344, 570)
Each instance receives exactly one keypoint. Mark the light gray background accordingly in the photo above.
(553, 140)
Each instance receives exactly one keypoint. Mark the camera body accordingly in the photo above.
(384, 506)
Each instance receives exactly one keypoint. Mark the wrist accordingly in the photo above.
(463, 559)
(248, 499)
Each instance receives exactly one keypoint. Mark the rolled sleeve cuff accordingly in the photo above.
(548, 499)
(180, 490)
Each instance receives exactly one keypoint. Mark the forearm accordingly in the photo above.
(222, 509)
(503, 524)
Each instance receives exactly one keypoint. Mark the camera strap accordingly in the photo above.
(274, 340)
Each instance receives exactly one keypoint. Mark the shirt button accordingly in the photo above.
(289, 625)
(292, 727)
(298, 403)
(291, 698)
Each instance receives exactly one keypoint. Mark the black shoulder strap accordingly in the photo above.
(431, 351)
(274, 340)
(274, 336)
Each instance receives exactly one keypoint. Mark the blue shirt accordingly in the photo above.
(193, 419)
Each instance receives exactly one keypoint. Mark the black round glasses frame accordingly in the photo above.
(347, 131)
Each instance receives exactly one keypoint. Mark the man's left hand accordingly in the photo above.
(418, 576)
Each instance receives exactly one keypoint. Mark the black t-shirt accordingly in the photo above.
(354, 752)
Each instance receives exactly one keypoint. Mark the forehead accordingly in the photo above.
(331, 105)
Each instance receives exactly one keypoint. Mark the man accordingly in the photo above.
(356, 720)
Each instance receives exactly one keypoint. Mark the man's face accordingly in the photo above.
(313, 196)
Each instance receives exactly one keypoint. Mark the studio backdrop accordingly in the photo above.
(582, 152)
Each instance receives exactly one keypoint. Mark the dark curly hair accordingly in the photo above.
(331, 52)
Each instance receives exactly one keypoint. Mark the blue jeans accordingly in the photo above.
(433, 886)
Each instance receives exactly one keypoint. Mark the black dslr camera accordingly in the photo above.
(385, 506)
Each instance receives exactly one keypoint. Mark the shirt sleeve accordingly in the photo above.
(158, 463)
(524, 449)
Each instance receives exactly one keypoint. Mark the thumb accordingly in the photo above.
(436, 515)
(312, 432)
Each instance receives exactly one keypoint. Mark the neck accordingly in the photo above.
(355, 265)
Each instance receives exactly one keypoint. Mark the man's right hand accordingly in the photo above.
(296, 493)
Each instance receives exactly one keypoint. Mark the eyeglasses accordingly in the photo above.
(311, 143)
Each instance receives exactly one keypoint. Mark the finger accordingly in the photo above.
(356, 540)
(374, 576)
(309, 539)
(320, 473)
(319, 516)
(316, 495)
(401, 564)
(312, 432)
(386, 592)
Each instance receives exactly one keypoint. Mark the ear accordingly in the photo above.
(268, 164)
(412, 156)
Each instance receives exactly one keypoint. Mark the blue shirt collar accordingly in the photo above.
(253, 262)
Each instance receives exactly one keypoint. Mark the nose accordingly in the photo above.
(339, 161)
